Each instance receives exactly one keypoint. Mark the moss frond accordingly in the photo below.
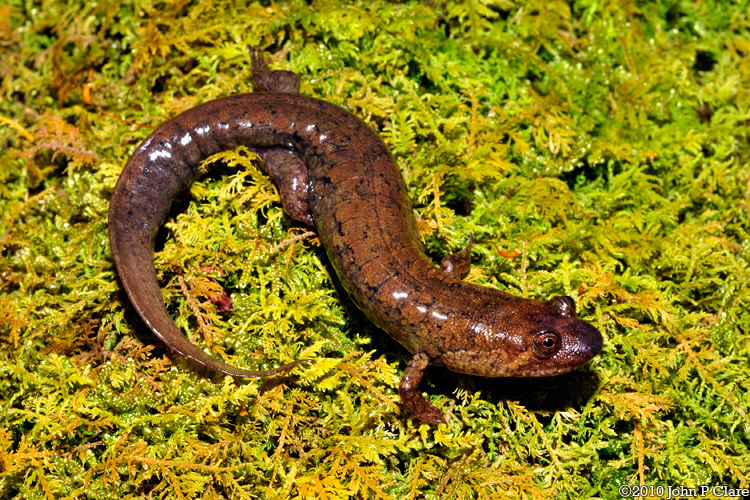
(602, 147)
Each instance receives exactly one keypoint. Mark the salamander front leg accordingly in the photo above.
(457, 265)
(412, 397)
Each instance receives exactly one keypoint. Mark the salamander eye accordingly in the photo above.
(546, 343)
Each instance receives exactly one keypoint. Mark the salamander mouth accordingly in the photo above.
(496, 362)
(551, 371)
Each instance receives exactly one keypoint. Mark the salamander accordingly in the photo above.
(334, 173)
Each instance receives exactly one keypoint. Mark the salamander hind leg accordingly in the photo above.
(286, 168)
(457, 265)
(266, 80)
(412, 397)
(293, 180)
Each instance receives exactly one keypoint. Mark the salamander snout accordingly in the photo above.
(589, 339)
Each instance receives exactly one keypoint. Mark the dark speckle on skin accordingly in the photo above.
(341, 178)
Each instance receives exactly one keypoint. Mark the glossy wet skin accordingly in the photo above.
(334, 172)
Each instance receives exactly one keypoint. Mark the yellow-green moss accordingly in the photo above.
(608, 142)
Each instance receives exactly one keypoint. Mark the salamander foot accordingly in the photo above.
(410, 394)
(457, 265)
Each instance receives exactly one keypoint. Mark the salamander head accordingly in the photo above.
(563, 342)
(539, 339)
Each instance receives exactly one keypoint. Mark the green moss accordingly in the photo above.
(607, 142)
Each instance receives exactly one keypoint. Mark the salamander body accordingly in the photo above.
(335, 173)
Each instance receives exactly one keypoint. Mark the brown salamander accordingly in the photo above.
(334, 172)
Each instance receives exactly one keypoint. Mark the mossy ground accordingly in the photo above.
(606, 141)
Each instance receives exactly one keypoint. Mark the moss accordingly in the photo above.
(605, 144)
